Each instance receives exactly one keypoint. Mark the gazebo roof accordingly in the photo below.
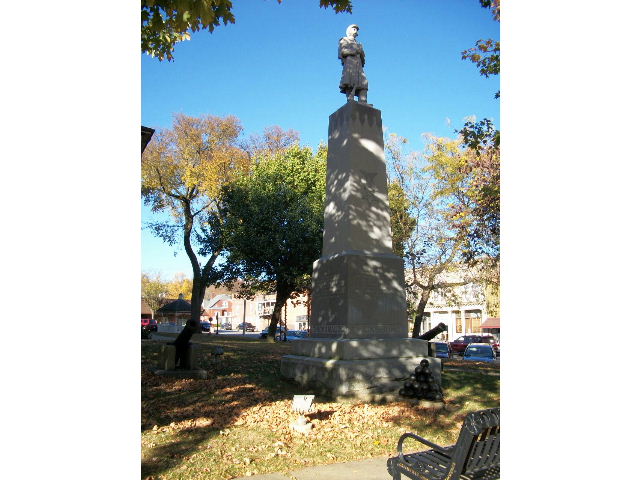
(177, 306)
(144, 308)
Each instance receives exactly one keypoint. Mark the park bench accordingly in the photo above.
(476, 454)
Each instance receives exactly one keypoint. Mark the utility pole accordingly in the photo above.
(244, 316)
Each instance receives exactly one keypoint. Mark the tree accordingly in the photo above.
(484, 140)
(273, 140)
(164, 23)
(483, 165)
(183, 172)
(402, 223)
(154, 290)
(486, 53)
(273, 225)
(437, 219)
(180, 285)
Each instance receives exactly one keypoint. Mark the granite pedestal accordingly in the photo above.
(167, 363)
(358, 327)
(356, 368)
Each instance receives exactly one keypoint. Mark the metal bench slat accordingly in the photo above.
(476, 453)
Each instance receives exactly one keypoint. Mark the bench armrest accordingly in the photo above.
(436, 447)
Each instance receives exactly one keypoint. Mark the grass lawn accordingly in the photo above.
(236, 422)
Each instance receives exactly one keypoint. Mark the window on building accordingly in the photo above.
(474, 320)
(458, 315)
(302, 322)
(225, 304)
(266, 307)
(426, 322)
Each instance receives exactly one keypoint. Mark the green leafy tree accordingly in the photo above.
(273, 225)
(402, 223)
(183, 171)
(167, 22)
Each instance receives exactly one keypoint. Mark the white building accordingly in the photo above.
(462, 309)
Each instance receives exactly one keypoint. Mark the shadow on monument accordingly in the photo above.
(357, 208)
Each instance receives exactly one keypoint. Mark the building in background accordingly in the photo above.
(172, 316)
(231, 308)
(462, 308)
(492, 325)
(145, 311)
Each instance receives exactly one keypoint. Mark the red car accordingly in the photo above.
(149, 324)
(459, 345)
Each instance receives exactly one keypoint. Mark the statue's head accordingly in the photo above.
(352, 30)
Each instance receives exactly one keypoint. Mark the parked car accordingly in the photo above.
(295, 335)
(443, 350)
(460, 344)
(226, 326)
(250, 327)
(150, 324)
(146, 334)
(205, 326)
(279, 330)
(480, 352)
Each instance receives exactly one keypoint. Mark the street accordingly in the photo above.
(235, 333)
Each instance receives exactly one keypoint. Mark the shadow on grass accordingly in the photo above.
(188, 415)
(324, 415)
(464, 391)
(195, 410)
(471, 386)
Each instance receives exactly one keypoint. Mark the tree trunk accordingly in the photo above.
(417, 320)
(197, 291)
(283, 292)
(197, 296)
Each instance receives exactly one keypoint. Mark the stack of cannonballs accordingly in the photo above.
(422, 384)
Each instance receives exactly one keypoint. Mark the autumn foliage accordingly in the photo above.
(236, 422)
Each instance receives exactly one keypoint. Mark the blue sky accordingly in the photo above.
(278, 65)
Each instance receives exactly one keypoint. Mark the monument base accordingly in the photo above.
(359, 295)
(363, 369)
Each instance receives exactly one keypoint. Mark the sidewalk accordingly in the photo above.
(369, 469)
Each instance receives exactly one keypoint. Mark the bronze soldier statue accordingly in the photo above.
(351, 53)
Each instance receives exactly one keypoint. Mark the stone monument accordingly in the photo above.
(358, 345)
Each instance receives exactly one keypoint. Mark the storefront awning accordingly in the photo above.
(491, 322)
